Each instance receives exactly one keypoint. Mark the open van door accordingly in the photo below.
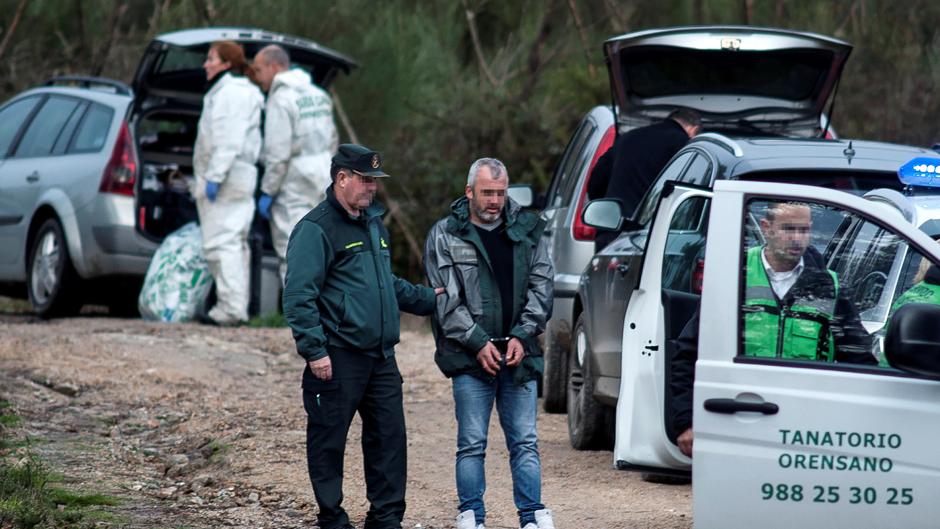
(659, 308)
(812, 443)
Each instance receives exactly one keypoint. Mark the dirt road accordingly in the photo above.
(203, 427)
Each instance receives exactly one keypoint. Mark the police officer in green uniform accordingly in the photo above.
(342, 303)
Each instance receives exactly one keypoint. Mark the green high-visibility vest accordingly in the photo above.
(799, 331)
(922, 292)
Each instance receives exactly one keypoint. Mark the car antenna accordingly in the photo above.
(849, 152)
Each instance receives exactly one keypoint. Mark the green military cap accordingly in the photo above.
(360, 159)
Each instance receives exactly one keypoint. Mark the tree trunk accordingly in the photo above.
(101, 57)
(592, 72)
(698, 11)
(12, 27)
(747, 11)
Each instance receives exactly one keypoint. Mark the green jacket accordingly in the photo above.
(796, 327)
(470, 311)
(926, 291)
(340, 291)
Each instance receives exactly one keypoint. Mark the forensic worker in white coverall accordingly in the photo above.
(299, 141)
(228, 143)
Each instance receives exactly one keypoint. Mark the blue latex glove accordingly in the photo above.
(212, 190)
(264, 206)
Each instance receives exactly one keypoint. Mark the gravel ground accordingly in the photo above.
(193, 426)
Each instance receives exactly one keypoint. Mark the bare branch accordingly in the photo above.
(477, 48)
(582, 33)
(394, 208)
(12, 28)
(620, 16)
(159, 11)
(206, 10)
(840, 31)
(105, 51)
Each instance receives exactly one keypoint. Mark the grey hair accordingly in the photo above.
(496, 167)
(274, 54)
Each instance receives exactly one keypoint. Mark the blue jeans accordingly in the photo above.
(517, 408)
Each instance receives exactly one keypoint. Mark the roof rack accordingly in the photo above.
(722, 140)
(89, 82)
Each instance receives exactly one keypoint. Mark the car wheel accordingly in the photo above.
(587, 418)
(52, 283)
(555, 378)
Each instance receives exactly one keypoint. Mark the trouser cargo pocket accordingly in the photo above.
(322, 401)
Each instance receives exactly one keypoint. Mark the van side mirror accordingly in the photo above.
(603, 214)
(912, 342)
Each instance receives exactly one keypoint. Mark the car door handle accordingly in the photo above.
(623, 268)
(33, 177)
(734, 406)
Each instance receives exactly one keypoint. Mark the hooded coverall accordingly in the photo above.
(299, 141)
(227, 148)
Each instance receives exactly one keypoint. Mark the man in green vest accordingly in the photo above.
(793, 309)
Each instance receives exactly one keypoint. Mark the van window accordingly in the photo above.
(644, 212)
(45, 128)
(560, 192)
(801, 305)
(13, 116)
(93, 131)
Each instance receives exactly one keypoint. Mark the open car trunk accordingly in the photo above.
(169, 86)
(742, 79)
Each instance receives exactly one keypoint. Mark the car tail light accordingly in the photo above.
(580, 230)
(698, 276)
(121, 172)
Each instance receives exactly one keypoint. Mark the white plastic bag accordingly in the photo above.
(178, 279)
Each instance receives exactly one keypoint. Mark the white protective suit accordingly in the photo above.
(299, 141)
(227, 147)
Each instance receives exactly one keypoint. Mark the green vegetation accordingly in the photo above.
(27, 499)
(218, 450)
(443, 83)
(270, 319)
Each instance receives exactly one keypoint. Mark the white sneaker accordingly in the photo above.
(466, 520)
(543, 519)
(530, 525)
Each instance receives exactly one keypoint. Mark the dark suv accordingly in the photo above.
(745, 81)
(92, 173)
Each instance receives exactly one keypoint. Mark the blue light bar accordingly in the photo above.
(921, 172)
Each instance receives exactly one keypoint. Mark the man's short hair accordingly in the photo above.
(686, 116)
(496, 167)
(334, 170)
(274, 54)
(774, 208)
